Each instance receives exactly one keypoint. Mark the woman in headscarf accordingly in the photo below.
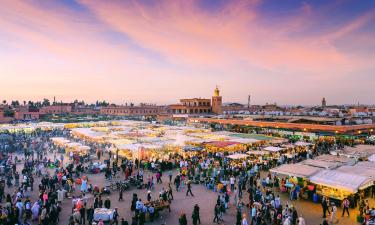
(35, 210)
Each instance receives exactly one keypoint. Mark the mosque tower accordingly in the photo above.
(217, 102)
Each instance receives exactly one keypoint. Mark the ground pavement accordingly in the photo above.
(206, 199)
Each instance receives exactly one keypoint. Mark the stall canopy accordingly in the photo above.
(222, 144)
(273, 149)
(339, 180)
(302, 144)
(297, 170)
(245, 141)
(371, 158)
(363, 170)
(237, 156)
(343, 160)
(321, 163)
(359, 151)
(192, 148)
(257, 153)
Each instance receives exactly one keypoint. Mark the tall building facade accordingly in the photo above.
(324, 103)
(217, 102)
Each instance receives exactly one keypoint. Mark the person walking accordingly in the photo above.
(334, 218)
(182, 220)
(120, 194)
(345, 206)
(324, 206)
(170, 192)
(217, 212)
(189, 189)
(196, 217)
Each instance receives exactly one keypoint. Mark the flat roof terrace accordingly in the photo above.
(366, 128)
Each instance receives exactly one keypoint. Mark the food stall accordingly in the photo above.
(104, 214)
(224, 146)
(364, 169)
(237, 159)
(336, 184)
(296, 174)
(273, 149)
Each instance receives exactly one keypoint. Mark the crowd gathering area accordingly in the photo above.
(134, 173)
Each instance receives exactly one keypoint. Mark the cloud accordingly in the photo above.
(150, 49)
(184, 33)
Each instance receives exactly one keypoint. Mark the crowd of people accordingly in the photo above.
(31, 157)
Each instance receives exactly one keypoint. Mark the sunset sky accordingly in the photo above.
(284, 51)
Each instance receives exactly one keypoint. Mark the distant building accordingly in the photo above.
(56, 109)
(198, 105)
(217, 102)
(26, 113)
(141, 110)
(324, 103)
(191, 106)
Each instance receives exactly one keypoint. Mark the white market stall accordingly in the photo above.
(273, 149)
(336, 184)
(237, 156)
(321, 164)
(343, 160)
(295, 170)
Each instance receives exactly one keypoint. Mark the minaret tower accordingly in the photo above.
(217, 102)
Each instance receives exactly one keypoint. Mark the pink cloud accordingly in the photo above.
(183, 33)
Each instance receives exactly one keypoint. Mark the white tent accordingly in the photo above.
(371, 158)
(339, 180)
(257, 153)
(321, 163)
(244, 140)
(302, 144)
(273, 149)
(363, 170)
(340, 159)
(296, 170)
(237, 156)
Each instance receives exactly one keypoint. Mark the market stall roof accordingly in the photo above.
(237, 156)
(222, 144)
(257, 152)
(278, 141)
(273, 149)
(245, 140)
(192, 148)
(340, 159)
(367, 164)
(130, 147)
(302, 144)
(288, 146)
(339, 180)
(371, 158)
(368, 172)
(88, 132)
(321, 163)
(360, 151)
(297, 170)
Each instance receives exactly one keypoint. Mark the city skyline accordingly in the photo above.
(292, 53)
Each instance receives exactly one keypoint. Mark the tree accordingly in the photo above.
(8, 113)
(15, 103)
(46, 102)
